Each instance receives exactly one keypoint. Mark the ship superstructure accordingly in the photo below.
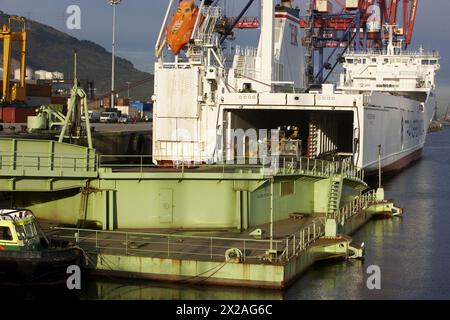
(210, 110)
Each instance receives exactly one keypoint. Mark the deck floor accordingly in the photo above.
(209, 245)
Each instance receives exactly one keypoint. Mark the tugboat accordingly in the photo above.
(27, 257)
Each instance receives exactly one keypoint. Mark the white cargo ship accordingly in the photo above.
(379, 110)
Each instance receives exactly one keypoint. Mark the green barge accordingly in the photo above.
(238, 225)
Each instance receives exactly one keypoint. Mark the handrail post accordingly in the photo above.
(303, 239)
(287, 248)
(211, 247)
(168, 246)
(276, 249)
(309, 231)
(293, 246)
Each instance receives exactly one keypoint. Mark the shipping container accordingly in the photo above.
(323, 6)
(58, 76)
(38, 101)
(351, 4)
(59, 100)
(29, 74)
(129, 111)
(142, 106)
(39, 90)
(122, 102)
(16, 114)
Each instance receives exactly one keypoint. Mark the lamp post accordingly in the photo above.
(128, 84)
(114, 3)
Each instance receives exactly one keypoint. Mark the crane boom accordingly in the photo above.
(7, 35)
(393, 12)
(412, 19)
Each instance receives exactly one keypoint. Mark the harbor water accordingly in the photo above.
(412, 252)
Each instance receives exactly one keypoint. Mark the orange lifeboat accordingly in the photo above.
(182, 25)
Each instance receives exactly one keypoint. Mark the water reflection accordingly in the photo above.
(126, 290)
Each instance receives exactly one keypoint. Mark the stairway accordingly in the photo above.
(334, 197)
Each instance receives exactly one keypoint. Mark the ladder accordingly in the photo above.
(334, 197)
(312, 141)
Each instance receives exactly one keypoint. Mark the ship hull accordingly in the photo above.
(394, 131)
(399, 164)
(37, 268)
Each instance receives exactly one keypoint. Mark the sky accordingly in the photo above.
(139, 22)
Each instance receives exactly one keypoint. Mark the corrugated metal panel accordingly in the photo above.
(177, 91)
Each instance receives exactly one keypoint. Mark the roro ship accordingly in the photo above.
(377, 113)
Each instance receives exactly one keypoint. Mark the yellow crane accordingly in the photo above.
(7, 35)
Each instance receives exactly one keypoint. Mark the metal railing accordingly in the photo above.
(267, 165)
(53, 162)
(426, 54)
(355, 206)
(192, 247)
(304, 238)
(89, 163)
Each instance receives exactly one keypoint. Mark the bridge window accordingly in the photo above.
(5, 234)
(433, 62)
(425, 62)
